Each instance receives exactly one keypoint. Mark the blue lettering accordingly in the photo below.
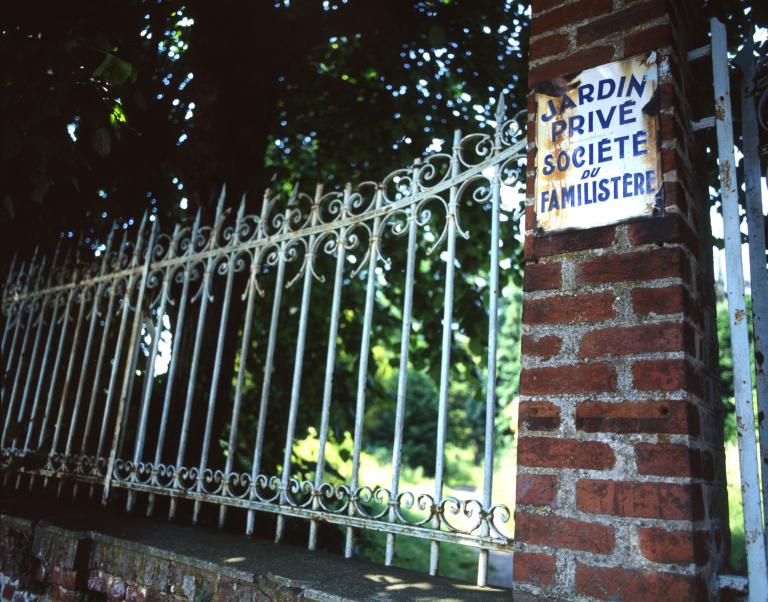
(605, 88)
(553, 201)
(636, 86)
(650, 181)
(567, 196)
(627, 182)
(604, 192)
(558, 127)
(625, 112)
(549, 165)
(578, 153)
(603, 150)
(640, 139)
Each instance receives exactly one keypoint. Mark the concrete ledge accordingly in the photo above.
(76, 551)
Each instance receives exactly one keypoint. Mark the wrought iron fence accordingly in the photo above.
(105, 357)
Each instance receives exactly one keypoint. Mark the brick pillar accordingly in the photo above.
(620, 487)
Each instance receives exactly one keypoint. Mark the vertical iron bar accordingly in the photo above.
(16, 329)
(6, 297)
(493, 323)
(445, 362)
(212, 394)
(330, 362)
(89, 343)
(402, 376)
(756, 229)
(204, 298)
(102, 348)
(232, 442)
(31, 306)
(70, 368)
(742, 373)
(44, 362)
(362, 372)
(174, 355)
(126, 310)
(35, 350)
(133, 343)
(269, 361)
(57, 360)
(150, 372)
(298, 365)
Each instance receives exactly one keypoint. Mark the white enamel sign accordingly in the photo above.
(598, 160)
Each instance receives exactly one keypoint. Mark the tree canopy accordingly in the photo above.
(118, 107)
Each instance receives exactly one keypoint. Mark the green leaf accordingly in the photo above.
(101, 142)
(114, 70)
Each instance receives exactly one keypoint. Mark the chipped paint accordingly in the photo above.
(738, 316)
(598, 159)
(720, 108)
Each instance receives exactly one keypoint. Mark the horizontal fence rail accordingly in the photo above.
(133, 370)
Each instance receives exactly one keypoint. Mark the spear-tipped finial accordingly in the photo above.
(241, 209)
(501, 109)
(264, 205)
(56, 251)
(123, 240)
(143, 222)
(220, 203)
(110, 239)
(294, 196)
(196, 223)
(41, 269)
(155, 226)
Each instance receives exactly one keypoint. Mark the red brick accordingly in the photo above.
(584, 378)
(669, 501)
(544, 347)
(529, 218)
(674, 195)
(541, 276)
(673, 547)
(567, 309)
(536, 489)
(565, 15)
(665, 300)
(538, 569)
(665, 375)
(67, 578)
(648, 39)
(551, 452)
(571, 65)
(648, 338)
(539, 6)
(619, 20)
(539, 415)
(635, 417)
(560, 532)
(606, 583)
(666, 459)
(548, 46)
(669, 229)
(537, 247)
(649, 265)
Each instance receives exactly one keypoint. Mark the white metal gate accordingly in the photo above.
(81, 338)
(755, 510)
